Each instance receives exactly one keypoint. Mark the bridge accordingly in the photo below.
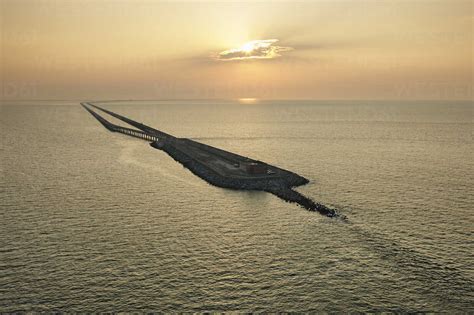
(147, 129)
(116, 128)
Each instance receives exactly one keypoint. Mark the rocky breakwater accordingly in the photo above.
(290, 195)
(280, 186)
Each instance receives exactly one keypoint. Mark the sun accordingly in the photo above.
(248, 47)
(255, 49)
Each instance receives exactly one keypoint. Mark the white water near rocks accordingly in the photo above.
(93, 220)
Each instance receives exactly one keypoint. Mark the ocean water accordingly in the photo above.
(97, 221)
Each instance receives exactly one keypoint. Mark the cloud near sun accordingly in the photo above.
(256, 49)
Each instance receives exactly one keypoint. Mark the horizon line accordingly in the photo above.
(236, 99)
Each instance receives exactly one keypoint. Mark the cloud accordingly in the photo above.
(256, 49)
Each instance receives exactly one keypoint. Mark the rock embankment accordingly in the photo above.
(291, 195)
(280, 187)
(216, 179)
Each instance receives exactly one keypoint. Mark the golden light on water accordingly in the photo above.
(248, 100)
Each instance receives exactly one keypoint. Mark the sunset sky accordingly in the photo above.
(277, 50)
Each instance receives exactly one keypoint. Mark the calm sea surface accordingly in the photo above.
(92, 220)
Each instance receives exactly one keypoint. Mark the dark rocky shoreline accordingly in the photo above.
(281, 187)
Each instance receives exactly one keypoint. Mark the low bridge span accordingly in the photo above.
(147, 129)
(116, 128)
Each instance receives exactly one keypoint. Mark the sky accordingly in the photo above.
(137, 49)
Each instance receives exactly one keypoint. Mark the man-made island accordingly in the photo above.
(218, 167)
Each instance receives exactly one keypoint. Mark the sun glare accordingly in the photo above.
(256, 49)
(248, 47)
(248, 100)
